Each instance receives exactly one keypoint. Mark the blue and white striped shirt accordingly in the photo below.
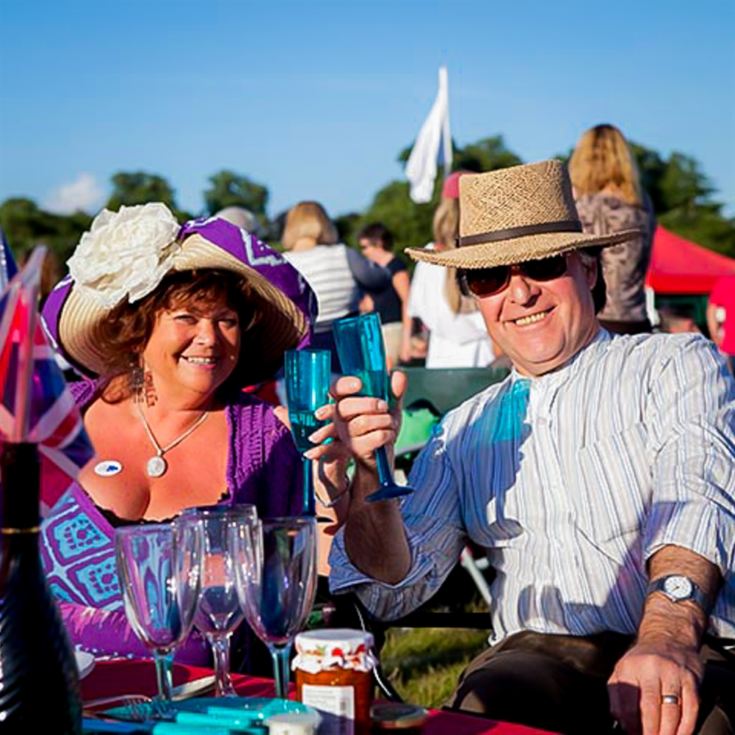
(571, 481)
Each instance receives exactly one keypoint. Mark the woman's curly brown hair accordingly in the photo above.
(129, 326)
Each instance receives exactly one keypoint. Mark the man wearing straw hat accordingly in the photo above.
(599, 476)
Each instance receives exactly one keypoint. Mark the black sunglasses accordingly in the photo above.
(488, 281)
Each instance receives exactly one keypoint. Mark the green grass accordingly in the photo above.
(424, 664)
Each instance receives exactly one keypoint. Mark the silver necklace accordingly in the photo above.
(157, 465)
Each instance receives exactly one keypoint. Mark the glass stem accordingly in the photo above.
(281, 672)
(307, 505)
(164, 679)
(221, 652)
(385, 473)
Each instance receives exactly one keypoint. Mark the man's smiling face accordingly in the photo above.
(541, 325)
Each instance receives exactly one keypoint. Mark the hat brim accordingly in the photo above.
(281, 325)
(518, 250)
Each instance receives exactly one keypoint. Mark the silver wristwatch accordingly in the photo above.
(679, 588)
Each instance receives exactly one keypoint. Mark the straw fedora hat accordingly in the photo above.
(517, 214)
(142, 248)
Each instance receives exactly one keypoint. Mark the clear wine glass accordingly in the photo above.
(159, 566)
(359, 342)
(218, 612)
(277, 583)
(308, 373)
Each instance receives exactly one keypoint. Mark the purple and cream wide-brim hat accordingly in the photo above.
(125, 256)
(517, 214)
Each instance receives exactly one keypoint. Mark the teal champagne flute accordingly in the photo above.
(308, 373)
(359, 342)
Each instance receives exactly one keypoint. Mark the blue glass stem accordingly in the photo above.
(281, 670)
(307, 504)
(385, 473)
(388, 488)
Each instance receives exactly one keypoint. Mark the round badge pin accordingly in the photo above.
(108, 468)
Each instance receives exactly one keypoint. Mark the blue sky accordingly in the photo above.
(315, 100)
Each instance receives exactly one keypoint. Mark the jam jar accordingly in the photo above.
(334, 674)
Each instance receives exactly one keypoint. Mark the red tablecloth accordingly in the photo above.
(110, 678)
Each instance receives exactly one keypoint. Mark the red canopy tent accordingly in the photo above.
(680, 267)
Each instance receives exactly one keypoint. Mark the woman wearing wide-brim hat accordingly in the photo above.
(168, 323)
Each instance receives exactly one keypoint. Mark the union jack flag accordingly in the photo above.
(36, 405)
(8, 268)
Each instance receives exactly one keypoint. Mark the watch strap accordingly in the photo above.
(697, 594)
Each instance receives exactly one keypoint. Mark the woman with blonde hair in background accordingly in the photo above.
(457, 333)
(337, 274)
(609, 198)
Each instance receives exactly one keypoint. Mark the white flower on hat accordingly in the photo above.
(125, 253)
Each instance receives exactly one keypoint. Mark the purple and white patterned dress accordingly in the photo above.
(263, 468)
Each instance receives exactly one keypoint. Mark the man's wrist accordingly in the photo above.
(681, 589)
(681, 624)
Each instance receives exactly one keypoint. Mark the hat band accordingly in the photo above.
(571, 225)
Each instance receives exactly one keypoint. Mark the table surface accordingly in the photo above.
(125, 676)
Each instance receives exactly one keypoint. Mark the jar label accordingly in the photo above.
(335, 704)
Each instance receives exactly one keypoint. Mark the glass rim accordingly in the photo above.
(238, 509)
(348, 320)
(286, 520)
(147, 528)
(308, 351)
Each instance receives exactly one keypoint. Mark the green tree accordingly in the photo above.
(229, 189)
(347, 226)
(411, 223)
(26, 225)
(129, 188)
(683, 199)
(683, 185)
(487, 154)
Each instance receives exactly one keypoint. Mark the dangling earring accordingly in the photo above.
(149, 390)
(137, 383)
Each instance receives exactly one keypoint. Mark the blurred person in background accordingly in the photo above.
(51, 273)
(241, 217)
(721, 317)
(677, 319)
(609, 199)
(337, 274)
(376, 242)
(457, 333)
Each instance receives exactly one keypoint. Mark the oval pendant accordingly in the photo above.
(156, 466)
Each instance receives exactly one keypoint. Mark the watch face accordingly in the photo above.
(680, 588)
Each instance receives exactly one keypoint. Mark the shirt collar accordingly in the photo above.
(556, 377)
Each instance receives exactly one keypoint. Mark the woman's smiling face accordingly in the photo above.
(194, 346)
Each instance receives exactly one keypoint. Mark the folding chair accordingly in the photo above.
(429, 395)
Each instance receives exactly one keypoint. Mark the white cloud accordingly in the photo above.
(83, 193)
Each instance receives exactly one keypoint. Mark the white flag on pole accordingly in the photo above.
(433, 139)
